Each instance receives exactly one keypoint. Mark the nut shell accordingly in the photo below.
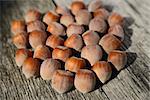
(61, 53)
(42, 52)
(62, 10)
(73, 64)
(37, 38)
(101, 13)
(92, 53)
(53, 41)
(85, 80)
(94, 5)
(74, 41)
(90, 37)
(31, 67)
(118, 59)
(62, 81)
(67, 19)
(103, 70)
(76, 6)
(109, 43)
(48, 67)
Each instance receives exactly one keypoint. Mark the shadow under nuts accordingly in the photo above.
(73, 64)
(92, 53)
(103, 70)
(118, 59)
(85, 80)
(31, 67)
(62, 81)
(48, 67)
(61, 53)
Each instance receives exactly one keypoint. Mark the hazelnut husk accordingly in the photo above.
(118, 59)
(85, 80)
(62, 81)
(77, 6)
(73, 64)
(48, 67)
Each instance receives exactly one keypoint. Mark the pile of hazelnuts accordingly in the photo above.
(76, 36)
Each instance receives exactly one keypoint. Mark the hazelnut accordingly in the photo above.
(98, 24)
(118, 59)
(103, 70)
(62, 10)
(74, 41)
(66, 19)
(114, 19)
(20, 40)
(42, 52)
(62, 81)
(101, 13)
(74, 29)
(94, 5)
(92, 53)
(32, 15)
(37, 38)
(53, 41)
(48, 67)
(109, 43)
(50, 16)
(21, 56)
(90, 37)
(73, 64)
(83, 17)
(31, 67)
(61, 53)
(76, 6)
(56, 29)
(117, 30)
(17, 26)
(85, 80)
(35, 25)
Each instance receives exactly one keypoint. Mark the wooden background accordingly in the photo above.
(132, 83)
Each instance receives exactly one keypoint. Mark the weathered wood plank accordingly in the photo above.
(130, 84)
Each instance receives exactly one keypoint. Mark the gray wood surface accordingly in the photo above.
(132, 83)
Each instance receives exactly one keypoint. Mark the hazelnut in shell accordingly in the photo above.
(109, 42)
(62, 81)
(76, 6)
(66, 19)
(101, 13)
(103, 70)
(85, 80)
(74, 41)
(94, 5)
(62, 10)
(118, 59)
(48, 67)
(61, 53)
(92, 53)
(73, 64)
(53, 41)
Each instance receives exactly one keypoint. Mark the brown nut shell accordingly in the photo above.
(92, 53)
(35, 25)
(94, 5)
(73, 64)
(90, 37)
(76, 6)
(103, 70)
(42, 52)
(101, 13)
(20, 40)
(109, 43)
(53, 41)
(31, 67)
(62, 81)
(118, 59)
(50, 16)
(67, 19)
(61, 53)
(62, 10)
(17, 26)
(32, 15)
(56, 29)
(74, 41)
(48, 67)
(85, 80)
(37, 38)
(21, 55)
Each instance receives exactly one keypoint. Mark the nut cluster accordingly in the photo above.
(68, 45)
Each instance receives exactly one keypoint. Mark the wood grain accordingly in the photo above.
(132, 83)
